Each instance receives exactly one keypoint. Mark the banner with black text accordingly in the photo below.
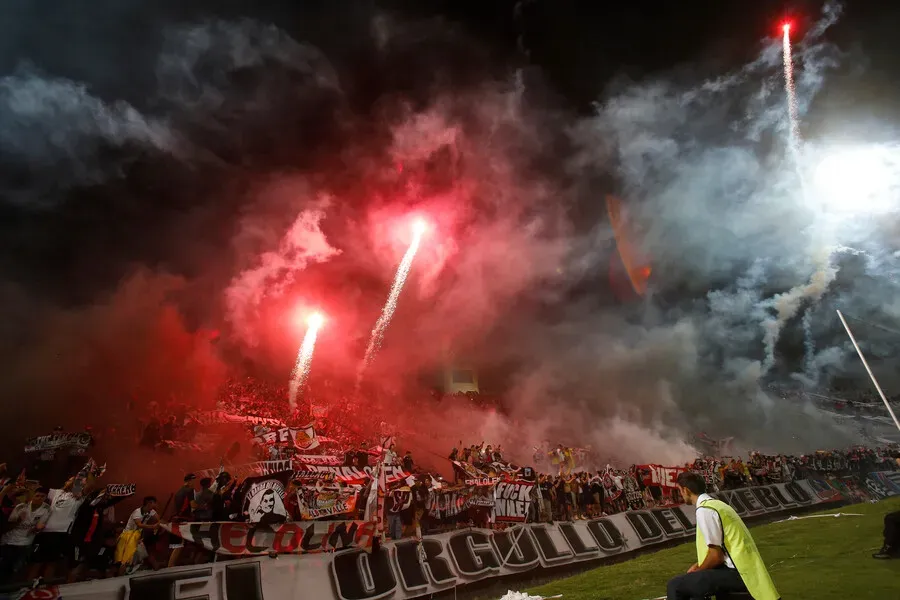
(411, 568)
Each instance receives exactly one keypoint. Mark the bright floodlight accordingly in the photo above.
(858, 180)
(420, 226)
(315, 320)
(786, 27)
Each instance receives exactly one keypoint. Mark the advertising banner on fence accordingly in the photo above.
(236, 539)
(883, 484)
(664, 477)
(411, 568)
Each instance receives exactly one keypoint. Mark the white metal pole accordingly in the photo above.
(869, 371)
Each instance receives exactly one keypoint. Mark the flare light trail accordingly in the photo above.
(789, 87)
(304, 357)
(419, 228)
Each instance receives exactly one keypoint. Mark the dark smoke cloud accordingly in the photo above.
(268, 170)
(55, 135)
(718, 204)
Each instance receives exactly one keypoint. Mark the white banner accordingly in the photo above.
(55, 441)
(303, 438)
(220, 416)
(299, 537)
(319, 459)
(511, 500)
(347, 475)
(411, 569)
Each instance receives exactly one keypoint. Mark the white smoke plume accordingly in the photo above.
(275, 269)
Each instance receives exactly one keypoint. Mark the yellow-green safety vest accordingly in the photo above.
(741, 549)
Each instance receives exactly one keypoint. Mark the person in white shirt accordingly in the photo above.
(26, 520)
(143, 518)
(390, 457)
(54, 542)
(728, 561)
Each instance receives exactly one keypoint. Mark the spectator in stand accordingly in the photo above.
(390, 457)
(99, 561)
(546, 486)
(183, 498)
(394, 519)
(26, 520)
(408, 464)
(12, 494)
(141, 519)
(88, 525)
(562, 499)
(182, 503)
(202, 506)
(222, 501)
(419, 504)
(587, 497)
(597, 493)
(362, 456)
(54, 544)
(169, 430)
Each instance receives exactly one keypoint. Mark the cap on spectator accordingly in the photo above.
(189, 477)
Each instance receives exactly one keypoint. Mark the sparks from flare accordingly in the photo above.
(789, 86)
(419, 228)
(304, 358)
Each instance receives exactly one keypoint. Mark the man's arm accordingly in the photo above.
(42, 522)
(710, 526)
(16, 515)
(715, 557)
(152, 517)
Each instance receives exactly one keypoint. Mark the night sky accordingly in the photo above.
(153, 153)
(579, 48)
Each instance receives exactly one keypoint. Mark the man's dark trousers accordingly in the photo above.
(701, 584)
(892, 529)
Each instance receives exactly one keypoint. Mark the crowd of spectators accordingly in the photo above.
(73, 532)
(74, 529)
(572, 493)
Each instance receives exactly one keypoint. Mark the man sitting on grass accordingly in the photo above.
(727, 558)
(891, 548)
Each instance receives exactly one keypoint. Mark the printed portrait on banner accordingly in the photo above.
(264, 500)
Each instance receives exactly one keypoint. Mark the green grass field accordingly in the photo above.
(809, 559)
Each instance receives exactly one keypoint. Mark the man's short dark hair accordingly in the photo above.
(692, 481)
(149, 499)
